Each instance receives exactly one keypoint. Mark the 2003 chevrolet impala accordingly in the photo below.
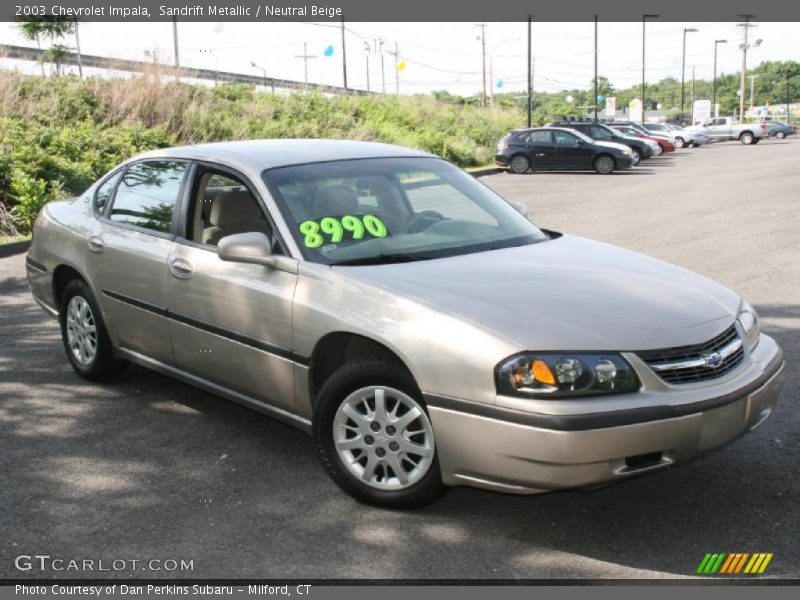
(419, 326)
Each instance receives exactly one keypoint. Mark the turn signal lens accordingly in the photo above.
(577, 374)
(542, 373)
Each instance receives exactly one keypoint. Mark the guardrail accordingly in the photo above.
(138, 66)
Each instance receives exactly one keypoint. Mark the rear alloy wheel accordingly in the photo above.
(519, 164)
(746, 138)
(780, 135)
(604, 164)
(374, 436)
(83, 332)
(679, 142)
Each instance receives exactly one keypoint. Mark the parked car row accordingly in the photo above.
(606, 147)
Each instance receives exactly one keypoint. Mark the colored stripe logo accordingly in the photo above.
(734, 563)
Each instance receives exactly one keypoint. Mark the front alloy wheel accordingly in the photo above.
(383, 437)
(374, 436)
(604, 164)
(637, 157)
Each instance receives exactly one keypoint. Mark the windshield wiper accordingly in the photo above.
(381, 259)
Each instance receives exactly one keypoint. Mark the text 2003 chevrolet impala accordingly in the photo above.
(418, 325)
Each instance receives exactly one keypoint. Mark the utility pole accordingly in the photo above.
(644, 99)
(483, 61)
(396, 55)
(752, 85)
(746, 26)
(691, 106)
(78, 50)
(379, 49)
(175, 41)
(367, 51)
(344, 58)
(596, 89)
(530, 72)
(305, 56)
(714, 85)
(683, 68)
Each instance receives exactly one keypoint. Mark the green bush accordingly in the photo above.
(59, 134)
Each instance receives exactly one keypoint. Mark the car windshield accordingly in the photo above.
(382, 210)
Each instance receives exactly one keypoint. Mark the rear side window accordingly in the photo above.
(541, 137)
(104, 192)
(147, 193)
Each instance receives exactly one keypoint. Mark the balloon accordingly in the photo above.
(401, 66)
(570, 99)
(600, 97)
(500, 83)
(329, 51)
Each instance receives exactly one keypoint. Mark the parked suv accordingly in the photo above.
(559, 149)
(602, 133)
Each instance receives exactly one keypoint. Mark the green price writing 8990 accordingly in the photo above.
(335, 229)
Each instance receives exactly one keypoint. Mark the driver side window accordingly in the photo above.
(223, 205)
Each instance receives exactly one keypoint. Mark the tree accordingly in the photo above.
(53, 28)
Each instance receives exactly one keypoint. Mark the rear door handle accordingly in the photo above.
(96, 244)
(181, 269)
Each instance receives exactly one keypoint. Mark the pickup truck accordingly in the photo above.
(726, 128)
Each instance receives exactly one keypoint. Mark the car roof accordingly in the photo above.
(266, 154)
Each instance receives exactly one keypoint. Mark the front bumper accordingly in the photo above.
(498, 450)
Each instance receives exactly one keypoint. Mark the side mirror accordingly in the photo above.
(254, 248)
(519, 207)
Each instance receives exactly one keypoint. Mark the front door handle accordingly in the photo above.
(182, 269)
(96, 244)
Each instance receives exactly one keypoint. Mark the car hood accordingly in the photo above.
(615, 145)
(565, 294)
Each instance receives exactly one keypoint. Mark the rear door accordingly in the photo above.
(126, 258)
(542, 150)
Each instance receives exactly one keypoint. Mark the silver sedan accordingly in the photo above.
(421, 328)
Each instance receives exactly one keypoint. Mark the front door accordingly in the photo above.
(231, 323)
(573, 152)
(127, 251)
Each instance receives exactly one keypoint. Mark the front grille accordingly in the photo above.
(689, 364)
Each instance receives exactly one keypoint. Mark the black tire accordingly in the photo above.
(519, 164)
(350, 377)
(604, 164)
(780, 135)
(679, 142)
(746, 138)
(103, 366)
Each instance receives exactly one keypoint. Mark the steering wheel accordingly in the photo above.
(424, 219)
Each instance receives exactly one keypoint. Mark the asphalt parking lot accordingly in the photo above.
(148, 468)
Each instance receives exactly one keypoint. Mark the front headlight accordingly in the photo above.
(748, 319)
(565, 375)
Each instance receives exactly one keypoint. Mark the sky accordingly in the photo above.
(438, 56)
